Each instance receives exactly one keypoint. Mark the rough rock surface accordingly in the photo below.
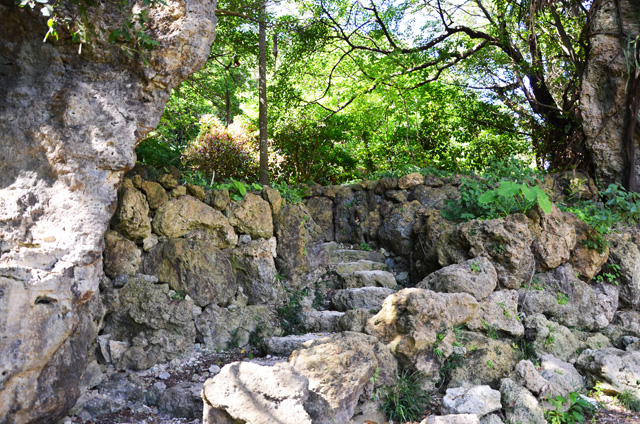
(252, 215)
(604, 89)
(70, 123)
(499, 312)
(413, 319)
(251, 393)
(476, 276)
(256, 271)
(479, 400)
(121, 256)
(569, 300)
(625, 254)
(339, 369)
(190, 218)
(363, 297)
(132, 216)
(520, 404)
(69, 126)
(615, 369)
(551, 337)
(197, 268)
(397, 228)
(554, 237)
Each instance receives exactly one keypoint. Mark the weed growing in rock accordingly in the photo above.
(451, 363)
(490, 364)
(629, 401)
(563, 299)
(293, 195)
(291, 314)
(406, 400)
(578, 411)
(475, 267)
(610, 274)
(525, 350)
(365, 246)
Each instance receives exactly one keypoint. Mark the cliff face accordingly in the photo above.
(68, 126)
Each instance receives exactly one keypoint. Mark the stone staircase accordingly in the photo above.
(352, 289)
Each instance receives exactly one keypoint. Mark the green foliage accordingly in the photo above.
(525, 350)
(365, 246)
(475, 267)
(578, 409)
(292, 194)
(629, 401)
(290, 314)
(223, 152)
(406, 400)
(562, 298)
(511, 197)
(609, 274)
(516, 192)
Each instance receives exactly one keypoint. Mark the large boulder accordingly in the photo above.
(226, 328)
(121, 256)
(341, 369)
(605, 88)
(570, 301)
(397, 230)
(505, 242)
(498, 312)
(548, 337)
(69, 124)
(197, 268)
(132, 216)
(363, 297)
(616, 370)
(160, 327)
(625, 254)
(476, 276)
(256, 272)
(252, 215)
(295, 231)
(321, 210)
(251, 393)
(190, 218)
(414, 322)
(520, 404)
(554, 237)
(478, 400)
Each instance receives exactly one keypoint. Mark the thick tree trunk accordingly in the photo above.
(605, 99)
(68, 127)
(262, 96)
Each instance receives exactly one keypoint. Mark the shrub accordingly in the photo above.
(227, 152)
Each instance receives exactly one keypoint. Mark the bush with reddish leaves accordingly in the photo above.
(229, 152)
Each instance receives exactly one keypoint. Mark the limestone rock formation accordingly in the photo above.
(339, 369)
(69, 125)
(252, 215)
(476, 276)
(251, 393)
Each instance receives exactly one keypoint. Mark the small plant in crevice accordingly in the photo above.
(562, 298)
(475, 267)
(365, 246)
(610, 274)
(578, 411)
(628, 400)
(293, 195)
(452, 362)
(526, 350)
(290, 314)
(406, 400)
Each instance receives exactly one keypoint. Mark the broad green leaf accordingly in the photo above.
(529, 193)
(508, 189)
(488, 196)
(544, 202)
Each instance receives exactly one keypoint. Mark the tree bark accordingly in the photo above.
(262, 96)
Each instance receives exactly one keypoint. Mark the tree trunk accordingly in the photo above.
(605, 98)
(262, 96)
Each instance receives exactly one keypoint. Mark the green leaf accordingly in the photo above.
(508, 189)
(529, 193)
(488, 196)
(544, 202)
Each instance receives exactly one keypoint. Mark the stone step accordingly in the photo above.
(321, 321)
(369, 298)
(368, 279)
(361, 265)
(338, 254)
(283, 346)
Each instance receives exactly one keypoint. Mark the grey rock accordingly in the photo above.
(368, 279)
(476, 276)
(616, 370)
(121, 256)
(452, 419)
(551, 337)
(369, 298)
(252, 215)
(248, 392)
(182, 400)
(283, 346)
(521, 405)
(499, 312)
(478, 400)
(321, 321)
